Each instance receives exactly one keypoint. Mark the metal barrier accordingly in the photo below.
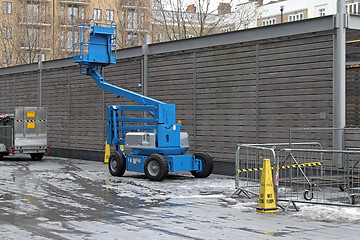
(249, 160)
(302, 170)
(6, 136)
(248, 165)
(314, 176)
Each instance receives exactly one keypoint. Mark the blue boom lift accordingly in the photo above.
(157, 144)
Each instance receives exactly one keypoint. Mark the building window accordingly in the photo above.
(73, 14)
(62, 14)
(82, 13)
(22, 12)
(33, 11)
(129, 3)
(62, 39)
(226, 29)
(6, 57)
(142, 21)
(69, 40)
(109, 15)
(133, 39)
(296, 17)
(175, 36)
(159, 37)
(33, 36)
(7, 7)
(322, 12)
(22, 37)
(43, 38)
(352, 8)
(132, 20)
(267, 22)
(6, 32)
(97, 14)
(123, 19)
(22, 56)
(32, 57)
(43, 13)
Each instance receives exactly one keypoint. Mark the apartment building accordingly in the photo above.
(33, 27)
(283, 11)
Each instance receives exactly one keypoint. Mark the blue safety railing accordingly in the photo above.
(94, 44)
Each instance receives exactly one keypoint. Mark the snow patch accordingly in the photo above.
(328, 213)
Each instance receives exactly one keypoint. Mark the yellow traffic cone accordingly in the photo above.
(107, 153)
(267, 197)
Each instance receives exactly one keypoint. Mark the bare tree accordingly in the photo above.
(180, 19)
(134, 22)
(244, 15)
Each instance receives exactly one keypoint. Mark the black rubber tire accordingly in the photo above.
(117, 164)
(352, 199)
(36, 156)
(207, 164)
(156, 167)
(1, 156)
(308, 195)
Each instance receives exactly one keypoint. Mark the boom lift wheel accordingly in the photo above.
(207, 165)
(117, 164)
(156, 167)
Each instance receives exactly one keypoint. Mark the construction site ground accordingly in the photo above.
(61, 198)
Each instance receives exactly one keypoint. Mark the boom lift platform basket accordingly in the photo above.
(156, 143)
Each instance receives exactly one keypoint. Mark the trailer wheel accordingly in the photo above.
(117, 164)
(36, 156)
(352, 199)
(308, 195)
(156, 167)
(207, 165)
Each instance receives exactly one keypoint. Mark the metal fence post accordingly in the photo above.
(145, 52)
(40, 65)
(194, 102)
(257, 93)
(339, 106)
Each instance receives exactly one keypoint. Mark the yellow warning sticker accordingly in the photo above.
(30, 114)
(30, 125)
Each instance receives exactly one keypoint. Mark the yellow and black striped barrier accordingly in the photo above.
(30, 121)
(282, 167)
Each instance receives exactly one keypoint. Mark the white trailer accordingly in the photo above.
(24, 132)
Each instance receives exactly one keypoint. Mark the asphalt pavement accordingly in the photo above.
(60, 198)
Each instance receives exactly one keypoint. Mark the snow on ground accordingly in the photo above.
(74, 199)
(328, 213)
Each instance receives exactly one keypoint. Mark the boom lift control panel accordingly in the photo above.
(156, 144)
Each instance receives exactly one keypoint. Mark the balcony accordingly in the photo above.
(35, 20)
(135, 7)
(74, 21)
(76, 2)
(40, 1)
(134, 4)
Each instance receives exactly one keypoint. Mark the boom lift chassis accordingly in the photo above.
(158, 146)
